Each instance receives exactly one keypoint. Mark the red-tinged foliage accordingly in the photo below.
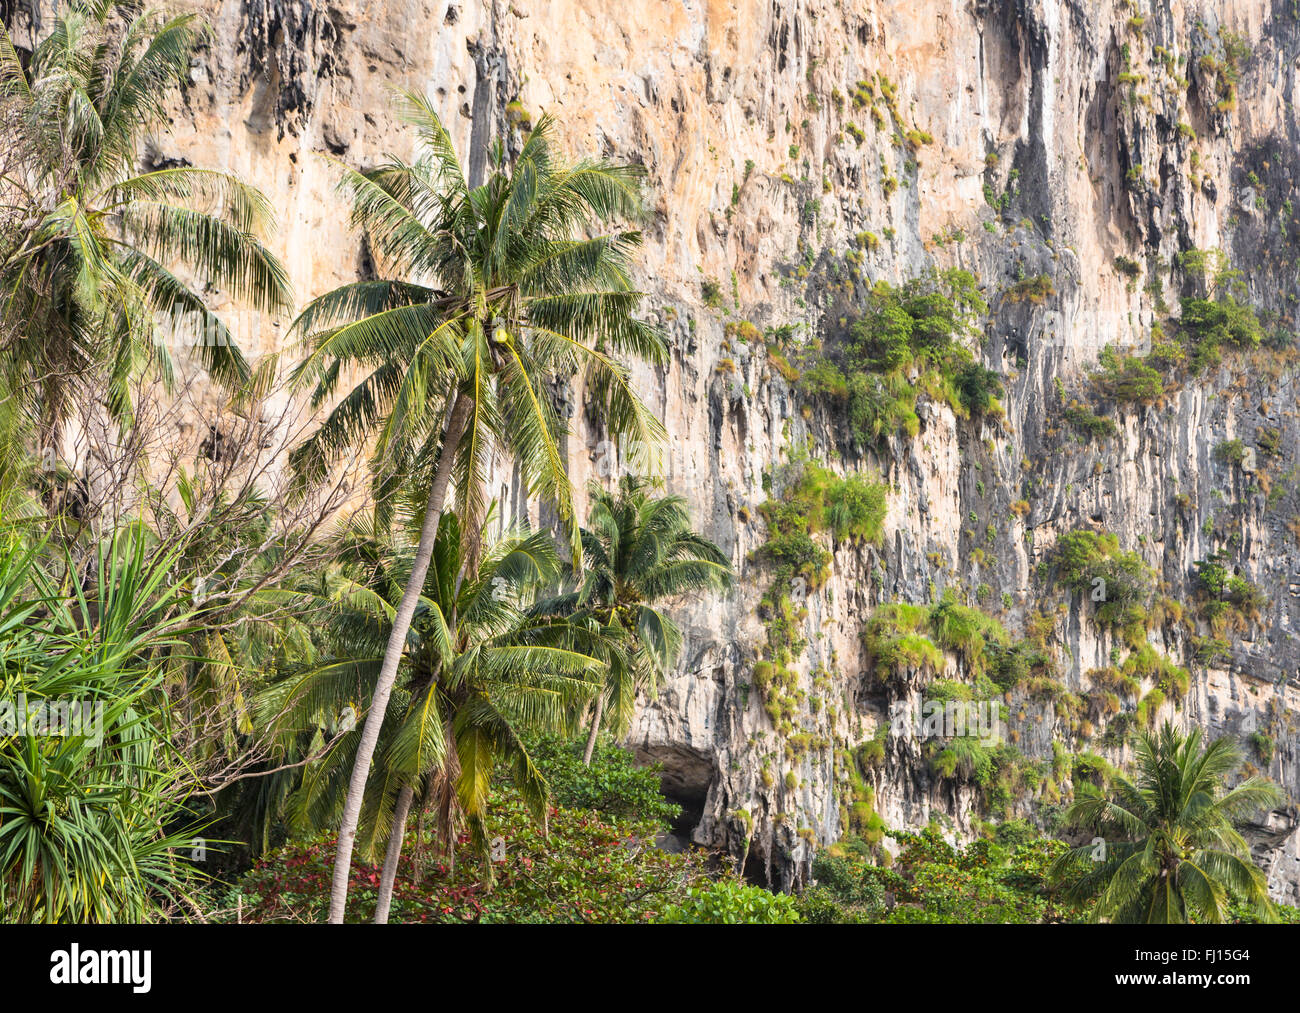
(590, 868)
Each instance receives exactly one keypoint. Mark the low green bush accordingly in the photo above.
(729, 902)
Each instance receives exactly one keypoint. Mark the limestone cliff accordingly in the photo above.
(1064, 152)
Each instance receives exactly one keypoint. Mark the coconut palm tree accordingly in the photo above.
(501, 291)
(482, 673)
(1169, 850)
(638, 552)
(102, 250)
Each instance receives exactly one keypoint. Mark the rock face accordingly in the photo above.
(1088, 145)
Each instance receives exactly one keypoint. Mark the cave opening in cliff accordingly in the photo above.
(685, 776)
(756, 870)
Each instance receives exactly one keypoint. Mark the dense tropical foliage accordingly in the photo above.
(92, 796)
(375, 690)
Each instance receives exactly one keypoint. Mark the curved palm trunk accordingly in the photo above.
(417, 857)
(595, 729)
(447, 827)
(456, 425)
(421, 810)
(395, 836)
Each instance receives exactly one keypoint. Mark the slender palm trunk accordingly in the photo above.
(447, 831)
(456, 425)
(421, 810)
(595, 729)
(417, 856)
(395, 836)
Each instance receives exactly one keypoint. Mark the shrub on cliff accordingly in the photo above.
(1226, 599)
(1209, 324)
(1120, 583)
(907, 340)
(1128, 379)
(852, 507)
